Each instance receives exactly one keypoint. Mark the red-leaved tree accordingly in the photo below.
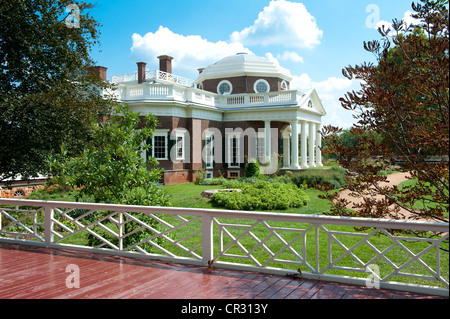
(402, 113)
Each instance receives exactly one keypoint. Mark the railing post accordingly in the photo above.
(48, 225)
(207, 240)
(317, 248)
(120, 231)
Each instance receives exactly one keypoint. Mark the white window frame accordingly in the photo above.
(260, 136)
(165, 134)
(284, 85)
(259, 81)
(222, 82)
(209, 137)
(177, 145)
(230, 136)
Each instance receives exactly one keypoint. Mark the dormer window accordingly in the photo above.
(261, 86)
(225, 88)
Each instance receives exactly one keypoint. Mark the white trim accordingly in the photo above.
(164, 133)
(207, 138)
(230, 136)
(183, 147)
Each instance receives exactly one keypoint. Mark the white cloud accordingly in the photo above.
(189, 52)
(282, 23)
(407, 19)
(290, 56)
(329, 91)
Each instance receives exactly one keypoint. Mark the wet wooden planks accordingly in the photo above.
(28, 272)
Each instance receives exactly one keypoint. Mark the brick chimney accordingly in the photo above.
(165, 63)
(141, 71)
(98, 71)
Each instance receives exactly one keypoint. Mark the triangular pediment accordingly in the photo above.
(312, 102)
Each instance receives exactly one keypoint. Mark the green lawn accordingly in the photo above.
(189, 196)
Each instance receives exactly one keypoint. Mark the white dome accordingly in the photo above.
(243, 64)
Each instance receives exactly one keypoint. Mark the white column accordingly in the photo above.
(318, 146)
(312, 147)
(268, 139)
(286, 150)
(304, 163)
(294, 146)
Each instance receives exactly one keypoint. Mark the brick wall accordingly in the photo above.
(184, 171)
(243, 84)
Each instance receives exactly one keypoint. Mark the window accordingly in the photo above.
(159, 145)
(234, 150)
(284, 85)
(179, 146)
(261, 86)
(260, 146)
(208, 150)
(209, 175)
(225, 88)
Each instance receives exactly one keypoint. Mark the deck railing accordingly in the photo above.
(309, 246)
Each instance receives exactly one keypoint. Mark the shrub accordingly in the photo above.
(334, 176)
(252, 169)
(262, 195)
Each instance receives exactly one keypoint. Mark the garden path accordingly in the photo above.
(392, 180)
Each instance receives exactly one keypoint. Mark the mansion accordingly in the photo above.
(238, 110)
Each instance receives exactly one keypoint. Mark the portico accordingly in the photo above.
(309, 135)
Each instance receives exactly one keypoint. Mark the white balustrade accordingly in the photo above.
(322, 247)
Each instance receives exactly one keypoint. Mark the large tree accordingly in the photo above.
(47, 96)
(404, 99)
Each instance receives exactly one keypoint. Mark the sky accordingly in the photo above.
(313, 39)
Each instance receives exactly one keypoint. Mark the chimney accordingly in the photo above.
(99, 72)
(141, 71)
(200, 70)
(165, 63)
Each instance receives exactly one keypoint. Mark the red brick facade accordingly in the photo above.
(244, 84)
(178, 172)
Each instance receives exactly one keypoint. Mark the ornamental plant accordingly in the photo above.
(262, 195)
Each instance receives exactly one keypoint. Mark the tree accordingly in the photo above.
(404, 99)
(47, 96)
(111, 168)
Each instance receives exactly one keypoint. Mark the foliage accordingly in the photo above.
(262, 195)
(333, 178)
(252, 169)
(110, 168)
(404, 100)
(47, 96)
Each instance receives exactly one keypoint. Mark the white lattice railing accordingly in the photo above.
(319, 247)
(153, 75)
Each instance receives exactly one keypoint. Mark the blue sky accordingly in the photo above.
(314, 39)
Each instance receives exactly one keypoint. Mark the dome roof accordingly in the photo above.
(243, 64)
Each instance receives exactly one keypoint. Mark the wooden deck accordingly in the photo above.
(28, 272)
